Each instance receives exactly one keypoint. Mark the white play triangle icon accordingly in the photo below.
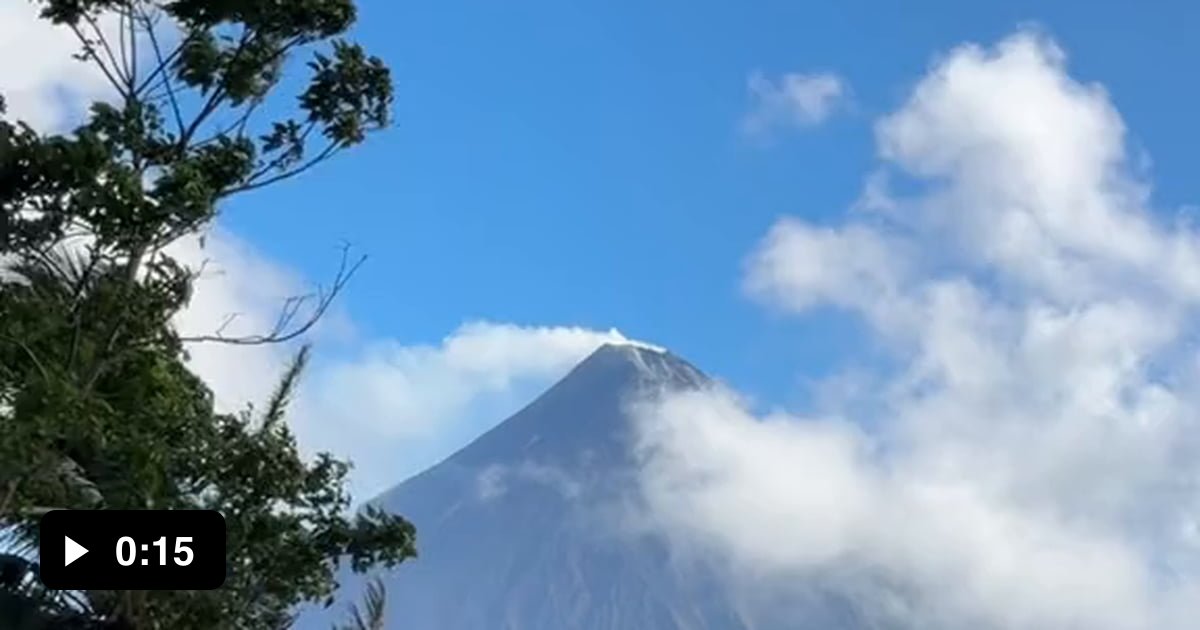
(74, 551)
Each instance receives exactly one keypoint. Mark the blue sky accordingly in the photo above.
(580, 162)
(985, 252)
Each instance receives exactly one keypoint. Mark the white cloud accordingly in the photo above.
(394, 408)
(409, 390)
(792, 100)
(1031, 177)
(800, 265)
(40, 81)
(1034, 461)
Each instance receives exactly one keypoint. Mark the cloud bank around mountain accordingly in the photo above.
(1032, 459)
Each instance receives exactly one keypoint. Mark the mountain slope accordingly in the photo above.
(527, 528)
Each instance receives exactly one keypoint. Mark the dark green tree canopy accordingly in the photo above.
(182, 133)
(98, 408)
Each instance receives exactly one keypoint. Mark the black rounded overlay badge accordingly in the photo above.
(133, 549)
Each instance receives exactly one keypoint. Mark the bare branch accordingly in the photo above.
(225, 324)
(133, 51)
(162, 65)
(241, 125)
(103, 39)
(237, 128)
(122, 31)
(90, 49)
(210, 106)
(280, 333)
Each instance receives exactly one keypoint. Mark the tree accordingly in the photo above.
(98, 408)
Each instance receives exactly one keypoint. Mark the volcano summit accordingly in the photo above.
(534, 526)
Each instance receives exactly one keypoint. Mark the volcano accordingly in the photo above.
(529, 527)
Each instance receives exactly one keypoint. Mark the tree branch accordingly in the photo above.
(37, 363)
(133, 51)
(103, 39)
(218, 95)
(237, 127)
(90, 49)
(279, 332)
(252, 184)
(77, 298)
(162, 65)
(9, 495)
(122, 31)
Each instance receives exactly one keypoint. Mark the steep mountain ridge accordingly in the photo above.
(527, 527)
(582, 410)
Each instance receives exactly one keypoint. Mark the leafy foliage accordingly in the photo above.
(371, 615)
(98, 408)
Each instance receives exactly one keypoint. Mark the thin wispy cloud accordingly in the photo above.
(791, 101)
(1033, 461)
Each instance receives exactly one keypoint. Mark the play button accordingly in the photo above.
(129, 550)
(73, 551)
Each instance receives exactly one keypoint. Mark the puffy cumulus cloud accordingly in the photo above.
(801, 265)
(1032, 461)
(1031, 179)
(792, 100)
(788, 500)
(40, 80)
